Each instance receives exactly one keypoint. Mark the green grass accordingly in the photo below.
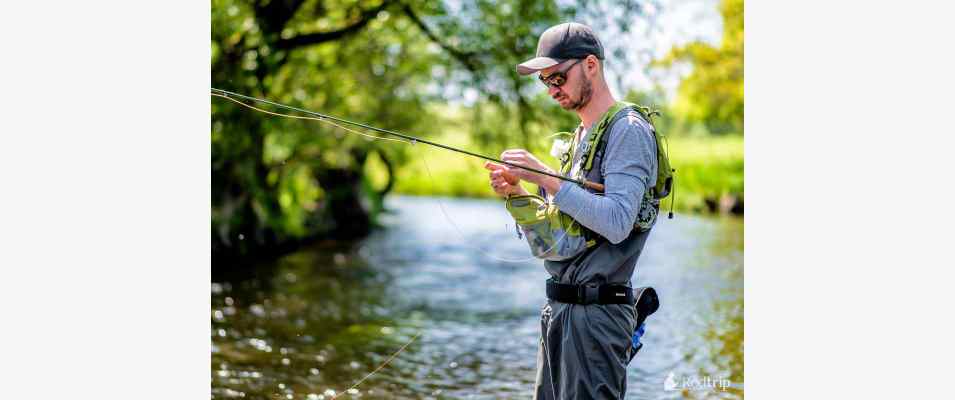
(707, 167)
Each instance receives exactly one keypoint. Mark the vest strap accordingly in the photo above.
(608, 119)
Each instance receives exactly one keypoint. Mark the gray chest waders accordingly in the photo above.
(555, 236)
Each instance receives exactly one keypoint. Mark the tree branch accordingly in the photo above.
(273, 16)
(466, 58)
(321, 37)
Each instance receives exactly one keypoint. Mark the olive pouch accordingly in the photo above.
(551, 234)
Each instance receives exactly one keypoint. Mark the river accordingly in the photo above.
(312, 323)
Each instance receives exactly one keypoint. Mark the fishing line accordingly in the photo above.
(379, 367)
(412, 141)
(310, 118)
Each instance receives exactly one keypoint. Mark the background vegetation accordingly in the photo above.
(443, 70)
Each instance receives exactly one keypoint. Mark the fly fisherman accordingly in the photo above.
(590, 241)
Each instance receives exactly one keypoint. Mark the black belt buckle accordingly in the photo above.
(588, 293)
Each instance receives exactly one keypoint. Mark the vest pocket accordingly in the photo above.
(551, 234)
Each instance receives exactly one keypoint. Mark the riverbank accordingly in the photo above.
(709, 175)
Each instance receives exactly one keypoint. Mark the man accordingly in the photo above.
(585, 332)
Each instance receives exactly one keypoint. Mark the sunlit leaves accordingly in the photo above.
(713, 93)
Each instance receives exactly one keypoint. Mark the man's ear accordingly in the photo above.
(593, 66)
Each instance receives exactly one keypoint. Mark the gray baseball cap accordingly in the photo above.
(560, 43)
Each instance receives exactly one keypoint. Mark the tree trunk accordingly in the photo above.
(345, 206)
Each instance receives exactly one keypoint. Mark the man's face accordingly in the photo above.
(576, 92)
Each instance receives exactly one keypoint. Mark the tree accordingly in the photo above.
(713, 92)
(278, 181)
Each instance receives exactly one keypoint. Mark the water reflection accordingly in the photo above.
(311, 324)
(302, 325)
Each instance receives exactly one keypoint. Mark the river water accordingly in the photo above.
(313, 323)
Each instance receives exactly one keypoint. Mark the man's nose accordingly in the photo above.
(551, 91)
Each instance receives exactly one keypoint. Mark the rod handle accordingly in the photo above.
(595, 186)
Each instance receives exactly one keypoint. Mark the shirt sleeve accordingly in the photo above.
(628, 168)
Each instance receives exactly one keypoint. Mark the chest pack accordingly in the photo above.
(554, 235)
(595, 146)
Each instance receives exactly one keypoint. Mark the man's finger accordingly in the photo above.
(510, 153)
(500, 182)
(492, 166)
(514, 151)
(513, 159)
(510, 177)
(504, 172)
(501, 170)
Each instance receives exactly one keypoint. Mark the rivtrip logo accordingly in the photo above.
(695, 383)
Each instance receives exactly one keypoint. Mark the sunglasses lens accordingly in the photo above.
(556, 79)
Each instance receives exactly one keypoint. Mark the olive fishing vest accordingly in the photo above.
(595, 146)
(556, 236)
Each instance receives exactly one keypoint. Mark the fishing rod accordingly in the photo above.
(225, 93)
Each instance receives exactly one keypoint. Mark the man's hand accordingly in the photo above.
(525, 159)
(503, 181)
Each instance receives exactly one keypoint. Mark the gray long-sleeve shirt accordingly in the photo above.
(629, 168)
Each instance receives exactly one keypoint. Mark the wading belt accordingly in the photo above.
(590, 293)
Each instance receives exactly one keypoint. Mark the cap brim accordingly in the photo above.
(536, 64)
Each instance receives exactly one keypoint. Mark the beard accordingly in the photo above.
(586, 92)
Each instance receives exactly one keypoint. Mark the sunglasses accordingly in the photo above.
(557, 79)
